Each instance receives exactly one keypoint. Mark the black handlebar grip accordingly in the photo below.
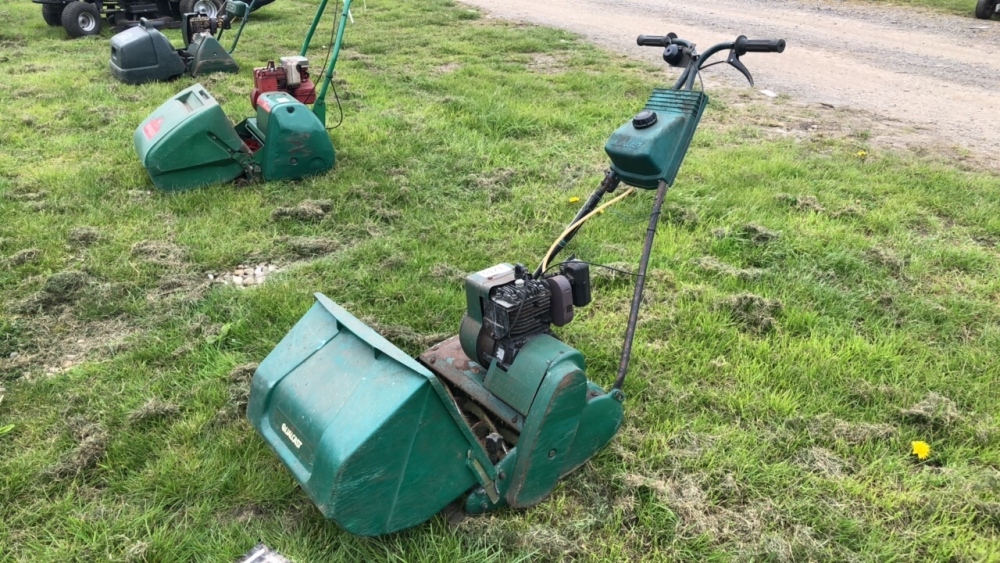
(653, 40)
(760, 45)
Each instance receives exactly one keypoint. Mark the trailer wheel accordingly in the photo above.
(81, 18)
(52, 13)
(211, 8)
(985, 9)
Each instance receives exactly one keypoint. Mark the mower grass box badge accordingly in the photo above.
(188, 142)
(497, 414)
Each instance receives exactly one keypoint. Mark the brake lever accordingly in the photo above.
(734, 60)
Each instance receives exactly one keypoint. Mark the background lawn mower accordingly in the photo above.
(143, 54)
(188, 142)
(83, 17)
(499, 413)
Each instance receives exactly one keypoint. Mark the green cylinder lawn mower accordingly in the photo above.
(143, 54)
(496, 415)
(188, 142)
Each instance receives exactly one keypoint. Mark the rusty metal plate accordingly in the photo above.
(448, 361)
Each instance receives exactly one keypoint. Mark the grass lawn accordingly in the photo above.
(815, 305)
(957, 7)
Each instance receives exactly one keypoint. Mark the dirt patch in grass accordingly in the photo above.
(547, 63)
(160, 253)
(692, 444)
(22, 257)
(887, 259)
(310, 246)
(496, 184)
(58, 289)
(935, 410)
(848, 211)
(239, 379)
(802, 202)
(154, 409)
(758, 234)
(823, 461)
(713, 265)
(679, 216)
(447, 68)
(697, 515)
(309, 210)
(91, 443)
(27, 196)
(84, 236)
(245, 514)
(754, 313)
(447, 273)
(823, 428)
(54, 343)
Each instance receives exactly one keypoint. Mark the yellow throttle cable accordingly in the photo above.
(572, 227)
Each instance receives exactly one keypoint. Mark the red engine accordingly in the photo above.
(291, 77)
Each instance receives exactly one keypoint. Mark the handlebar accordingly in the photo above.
(759, 45)
(653, 40)
(681, 53)
(742, 44)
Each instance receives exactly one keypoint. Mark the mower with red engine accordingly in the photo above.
(188, 142)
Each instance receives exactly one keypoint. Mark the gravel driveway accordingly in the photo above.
(934, 77)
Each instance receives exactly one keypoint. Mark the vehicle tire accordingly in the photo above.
(52, 13)
(985, 9)
(81, 18)
(212, 8)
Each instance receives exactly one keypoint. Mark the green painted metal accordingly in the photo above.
(371, 435)
(642, 157)
(188, 142)
(294, 142)
(312, 28)
(319, 106)
(598, 423)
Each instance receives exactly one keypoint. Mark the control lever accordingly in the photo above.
(734, 61)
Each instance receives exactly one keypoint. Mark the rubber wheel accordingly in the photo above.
(985, 9)
(212, 8)
(52, 13)
(81, 18)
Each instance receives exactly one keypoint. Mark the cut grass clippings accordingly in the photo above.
(809, 313)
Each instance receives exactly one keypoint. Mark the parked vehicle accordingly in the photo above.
(83, 17)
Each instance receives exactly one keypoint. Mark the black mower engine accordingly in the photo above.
(507, 308)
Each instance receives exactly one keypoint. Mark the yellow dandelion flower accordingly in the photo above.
(921, 449)
(574, 199)
(861, 154)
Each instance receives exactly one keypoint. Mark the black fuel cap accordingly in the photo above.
(644, 119)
